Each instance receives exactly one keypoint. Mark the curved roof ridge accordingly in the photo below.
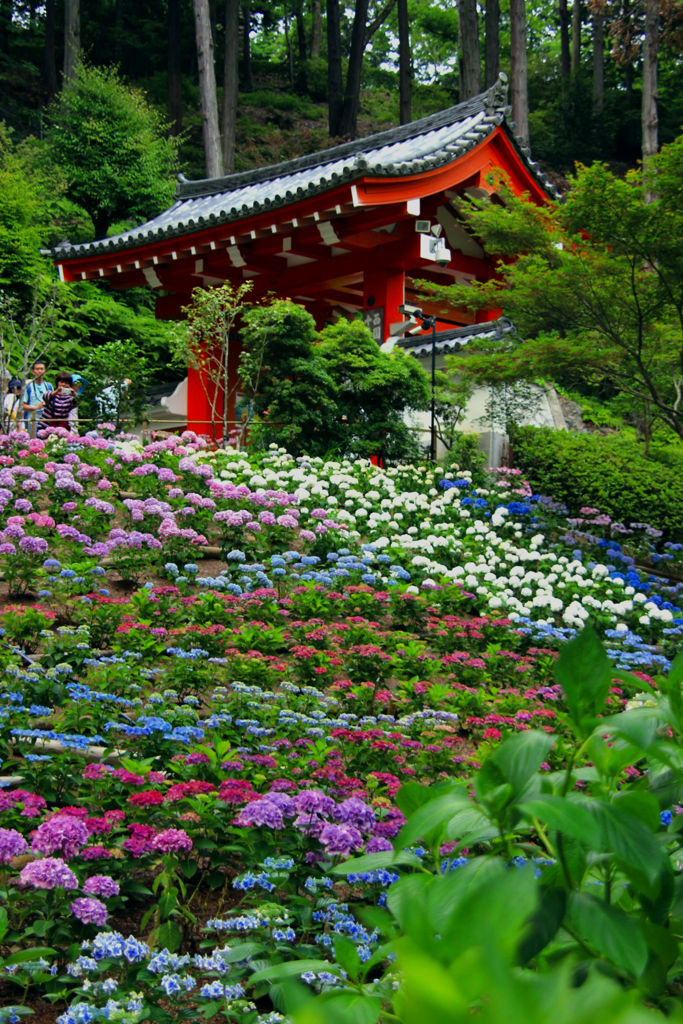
(492, 100)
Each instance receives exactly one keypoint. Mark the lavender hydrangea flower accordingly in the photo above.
(262, 812)
(33, 545)
(314, 801)
(101, 885)
(61, 834)
(341, 839)
(376, 844)
(48, 873)
(355, 812)
(12, 844)
(89, 910)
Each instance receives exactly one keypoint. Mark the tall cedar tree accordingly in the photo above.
(492, 47)
(405, 69)
(230, 84)
(207, 89)
(72, 39)
(175, 87)
(518, 69)
(469, 63)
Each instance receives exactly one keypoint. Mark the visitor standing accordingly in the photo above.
(34, 396)
(13, 404)
(59, 403)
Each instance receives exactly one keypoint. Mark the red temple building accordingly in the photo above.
(343, 231)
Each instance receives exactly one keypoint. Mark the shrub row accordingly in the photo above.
(608, 473)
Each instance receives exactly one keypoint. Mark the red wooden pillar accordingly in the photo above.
(383, 292)
(200, 394)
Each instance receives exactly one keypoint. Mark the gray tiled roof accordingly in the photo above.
(452, 341)
(422, 145)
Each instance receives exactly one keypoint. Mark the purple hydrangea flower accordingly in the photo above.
(33, 545)
(48, 873)
(355, 812)
(314, 801)
(283, 802)
(12, 844)
(101, 885)
(341, 839)
(376, 844)
(61, 834)
(262, 812)
(89, 911)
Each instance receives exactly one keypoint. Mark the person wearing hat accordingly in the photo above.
(13, 405)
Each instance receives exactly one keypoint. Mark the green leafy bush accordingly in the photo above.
(608, 473)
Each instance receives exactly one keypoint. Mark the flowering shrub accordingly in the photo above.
(247, 764)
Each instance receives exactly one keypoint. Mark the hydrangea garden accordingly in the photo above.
(268, 724)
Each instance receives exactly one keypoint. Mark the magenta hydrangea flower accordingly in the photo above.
(12, 844)
(89, 911)
(48, 873)
(172, 840)
(61, 834)
(101, 885)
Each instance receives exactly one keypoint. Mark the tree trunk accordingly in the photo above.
(404, 64)
(565, 53)
(119, 33)
(352, 92)
(492, 45)
(649, 113)
(50, 53)
(6, 9)
(334, 67)
(246, 47)
(175, 89)
(301, 33)
(230, 83)
(576, 36)
(598, 61)
(288, 44)
(317, 30)
(470, 57)
(518, 69)
(207, 89)
(72, 39)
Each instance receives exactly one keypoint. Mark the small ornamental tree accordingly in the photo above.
(204, 344)
(286, 383)
(374, 388)
(113, 148)
(108, 396)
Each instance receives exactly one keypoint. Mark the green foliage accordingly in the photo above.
(92, 315)
(24, 218)
(465, 454)
(333, 392)
(113, 148)
(608, 473)
(595, 285)
(373, 390)
(108, 369)
(204, 344)
(566, 909)
(287, 387)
